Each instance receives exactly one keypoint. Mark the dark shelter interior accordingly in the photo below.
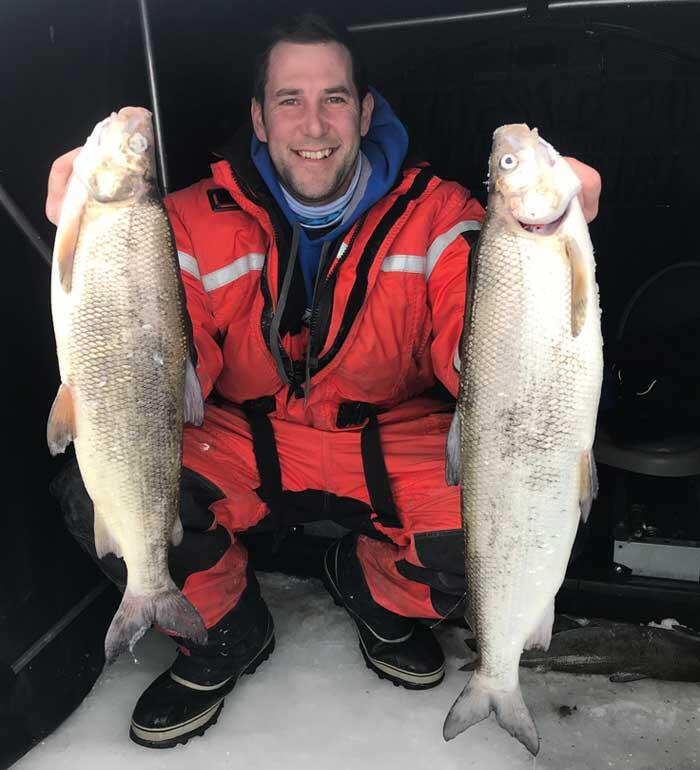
(616, 85)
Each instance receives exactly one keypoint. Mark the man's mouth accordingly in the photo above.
(315, 154)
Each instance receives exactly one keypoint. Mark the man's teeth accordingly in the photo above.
(318, 155)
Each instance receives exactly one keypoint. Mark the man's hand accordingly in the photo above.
(590, 187)
(61, 169)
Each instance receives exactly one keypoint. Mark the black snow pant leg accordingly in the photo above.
(75, 503)
(441, 554)
(202, 547)
(443, 567)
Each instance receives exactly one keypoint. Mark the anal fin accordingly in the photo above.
(60, 429)
(105, 541)
(541, 637)
(588, 488)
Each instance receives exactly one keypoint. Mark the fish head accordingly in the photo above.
(530, 185)
(117, 162)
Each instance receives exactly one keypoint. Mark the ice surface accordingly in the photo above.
(314, 706)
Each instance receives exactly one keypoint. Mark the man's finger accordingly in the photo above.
(61, 169)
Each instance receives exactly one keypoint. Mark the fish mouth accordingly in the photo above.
(544, 228)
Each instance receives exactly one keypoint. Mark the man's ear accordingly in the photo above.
(366, 113)
(256, 114)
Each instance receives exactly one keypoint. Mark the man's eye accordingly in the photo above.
(291, 100)
(337, 99)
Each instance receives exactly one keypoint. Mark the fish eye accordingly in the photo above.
(138, 143)
(508, 162)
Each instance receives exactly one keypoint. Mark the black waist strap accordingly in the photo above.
(352, 413)
(376, 476)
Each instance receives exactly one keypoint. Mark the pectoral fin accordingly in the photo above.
(194, 403)
(579, 285)
(588, 488)
(453, 453)
(60, 430)
(178, 532)
(68, 230)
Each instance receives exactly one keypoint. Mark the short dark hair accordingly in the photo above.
(308, 28)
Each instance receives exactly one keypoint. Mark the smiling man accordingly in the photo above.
(326, 278)
(312, 120)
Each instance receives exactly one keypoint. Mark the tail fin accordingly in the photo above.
(477, 701)
(137, 612)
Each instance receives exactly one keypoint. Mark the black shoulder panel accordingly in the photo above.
(220, 199)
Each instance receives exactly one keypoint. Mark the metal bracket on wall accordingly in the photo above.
(29, 655)
(18, 217)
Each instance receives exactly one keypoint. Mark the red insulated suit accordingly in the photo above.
(346, 400)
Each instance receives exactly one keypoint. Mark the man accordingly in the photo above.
(325, 279)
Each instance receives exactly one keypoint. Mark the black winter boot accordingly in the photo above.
(187, 699)
(396, 648)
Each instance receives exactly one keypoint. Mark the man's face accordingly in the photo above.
(312, 120)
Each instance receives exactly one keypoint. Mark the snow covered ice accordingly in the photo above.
(315, 706)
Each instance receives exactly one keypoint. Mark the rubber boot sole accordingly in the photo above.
(202, 722)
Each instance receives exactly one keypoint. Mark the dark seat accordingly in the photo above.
(661, 319)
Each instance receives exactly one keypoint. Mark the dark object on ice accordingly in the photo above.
(566, 711)
(623, 651)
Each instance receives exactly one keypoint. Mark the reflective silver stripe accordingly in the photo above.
(188, 263)
(403, 263)
(443, 241)
(237, 269)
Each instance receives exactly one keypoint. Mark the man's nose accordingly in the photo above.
(315, 123)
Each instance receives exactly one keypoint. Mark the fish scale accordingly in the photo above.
(524, 423)
(128, 382)
(513, 340)
(129, 406)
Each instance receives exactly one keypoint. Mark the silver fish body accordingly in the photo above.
(525, 420)
(123, 346)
